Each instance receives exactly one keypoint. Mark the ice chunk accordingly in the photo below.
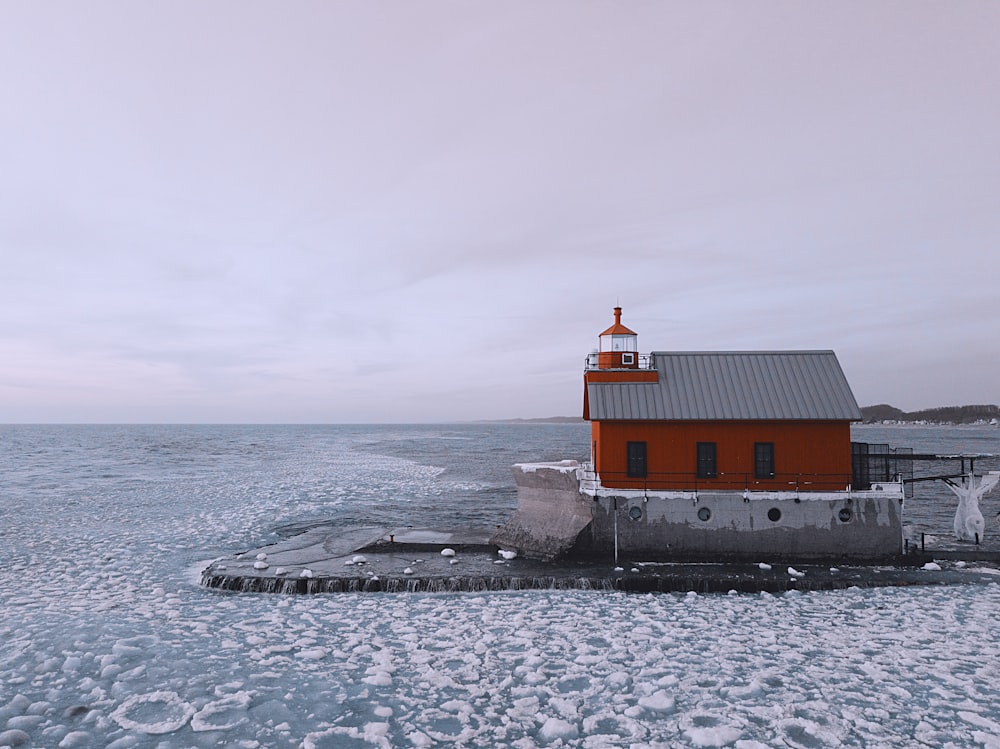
(932, 566)
(260, 564)
(153, 713)
(76, 738)
(271, 711)
(223, 714)
(25, 722)
(795, 573)
(507, 553)
(659, 701)
(447, 552)
(379, 679)
(306, 573)
(313, 654)
(557, 728)
(14, 737)
(712, 735)
(359, 559)
(764, 566)
(420, 739)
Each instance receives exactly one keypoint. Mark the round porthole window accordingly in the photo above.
(635, 512)
(704, 513)
(774, 514)
(844, 515)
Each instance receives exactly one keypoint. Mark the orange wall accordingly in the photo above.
(814, 455)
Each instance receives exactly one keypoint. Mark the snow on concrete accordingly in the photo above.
(561, 466)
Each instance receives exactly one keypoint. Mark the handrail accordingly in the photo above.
(644, 361)
(691, 481)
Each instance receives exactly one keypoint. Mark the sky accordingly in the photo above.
(341, 212)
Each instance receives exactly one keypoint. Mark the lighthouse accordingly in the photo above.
(616, 360)
(619, 346)
(709, 455)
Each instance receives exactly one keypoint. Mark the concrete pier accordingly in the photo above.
(324, 559)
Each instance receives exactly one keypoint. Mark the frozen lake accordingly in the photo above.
(107, 640)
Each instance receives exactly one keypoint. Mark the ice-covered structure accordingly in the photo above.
(969, 522)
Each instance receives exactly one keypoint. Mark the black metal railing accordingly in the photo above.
(877, 463)
(726, 481)
(644, 361)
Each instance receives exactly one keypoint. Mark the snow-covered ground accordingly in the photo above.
(107, 640)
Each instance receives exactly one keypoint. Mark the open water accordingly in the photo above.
(107, 640)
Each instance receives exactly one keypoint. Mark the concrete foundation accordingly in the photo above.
(551, 512)
(729, 526)
(556, 517)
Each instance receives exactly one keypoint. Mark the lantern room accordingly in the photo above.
(619, 346)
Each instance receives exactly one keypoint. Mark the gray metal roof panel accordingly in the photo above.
(731, 385)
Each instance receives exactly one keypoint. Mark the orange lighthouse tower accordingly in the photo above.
(619, 346)
(617, 360)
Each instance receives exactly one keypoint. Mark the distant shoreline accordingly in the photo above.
(987, 415)
(883, 413)
(542, 420)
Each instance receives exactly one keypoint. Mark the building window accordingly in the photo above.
(763, 460)
(628, 358)
(636, 459)
(706, 460)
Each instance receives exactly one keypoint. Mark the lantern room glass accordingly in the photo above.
(619, 343)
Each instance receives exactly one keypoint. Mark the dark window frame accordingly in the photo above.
(636, 465)
(706, 460)
(763, 460)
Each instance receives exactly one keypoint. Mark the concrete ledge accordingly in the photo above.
(327, 554)
(679, 578)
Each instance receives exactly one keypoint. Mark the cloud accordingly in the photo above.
(368, 213)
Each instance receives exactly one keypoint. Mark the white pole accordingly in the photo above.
(616, 529)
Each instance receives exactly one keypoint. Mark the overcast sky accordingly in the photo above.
(426, 211)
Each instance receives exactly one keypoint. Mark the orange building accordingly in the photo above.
(750, 420)
(712, 455)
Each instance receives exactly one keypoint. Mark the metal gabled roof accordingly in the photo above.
(731, 385)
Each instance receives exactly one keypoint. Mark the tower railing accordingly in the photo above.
(645, 361)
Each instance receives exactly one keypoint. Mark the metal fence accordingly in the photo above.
(875, 463)
(679, 481)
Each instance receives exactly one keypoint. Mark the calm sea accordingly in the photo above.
(107, 640)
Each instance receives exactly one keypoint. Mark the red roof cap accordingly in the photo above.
(618, 328)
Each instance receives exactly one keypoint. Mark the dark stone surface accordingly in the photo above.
(478, 567)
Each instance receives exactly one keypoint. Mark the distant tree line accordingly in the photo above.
(943, 414)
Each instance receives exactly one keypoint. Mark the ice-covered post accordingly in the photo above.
(969, 523)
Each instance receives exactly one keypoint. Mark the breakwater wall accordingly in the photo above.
(716, 579)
